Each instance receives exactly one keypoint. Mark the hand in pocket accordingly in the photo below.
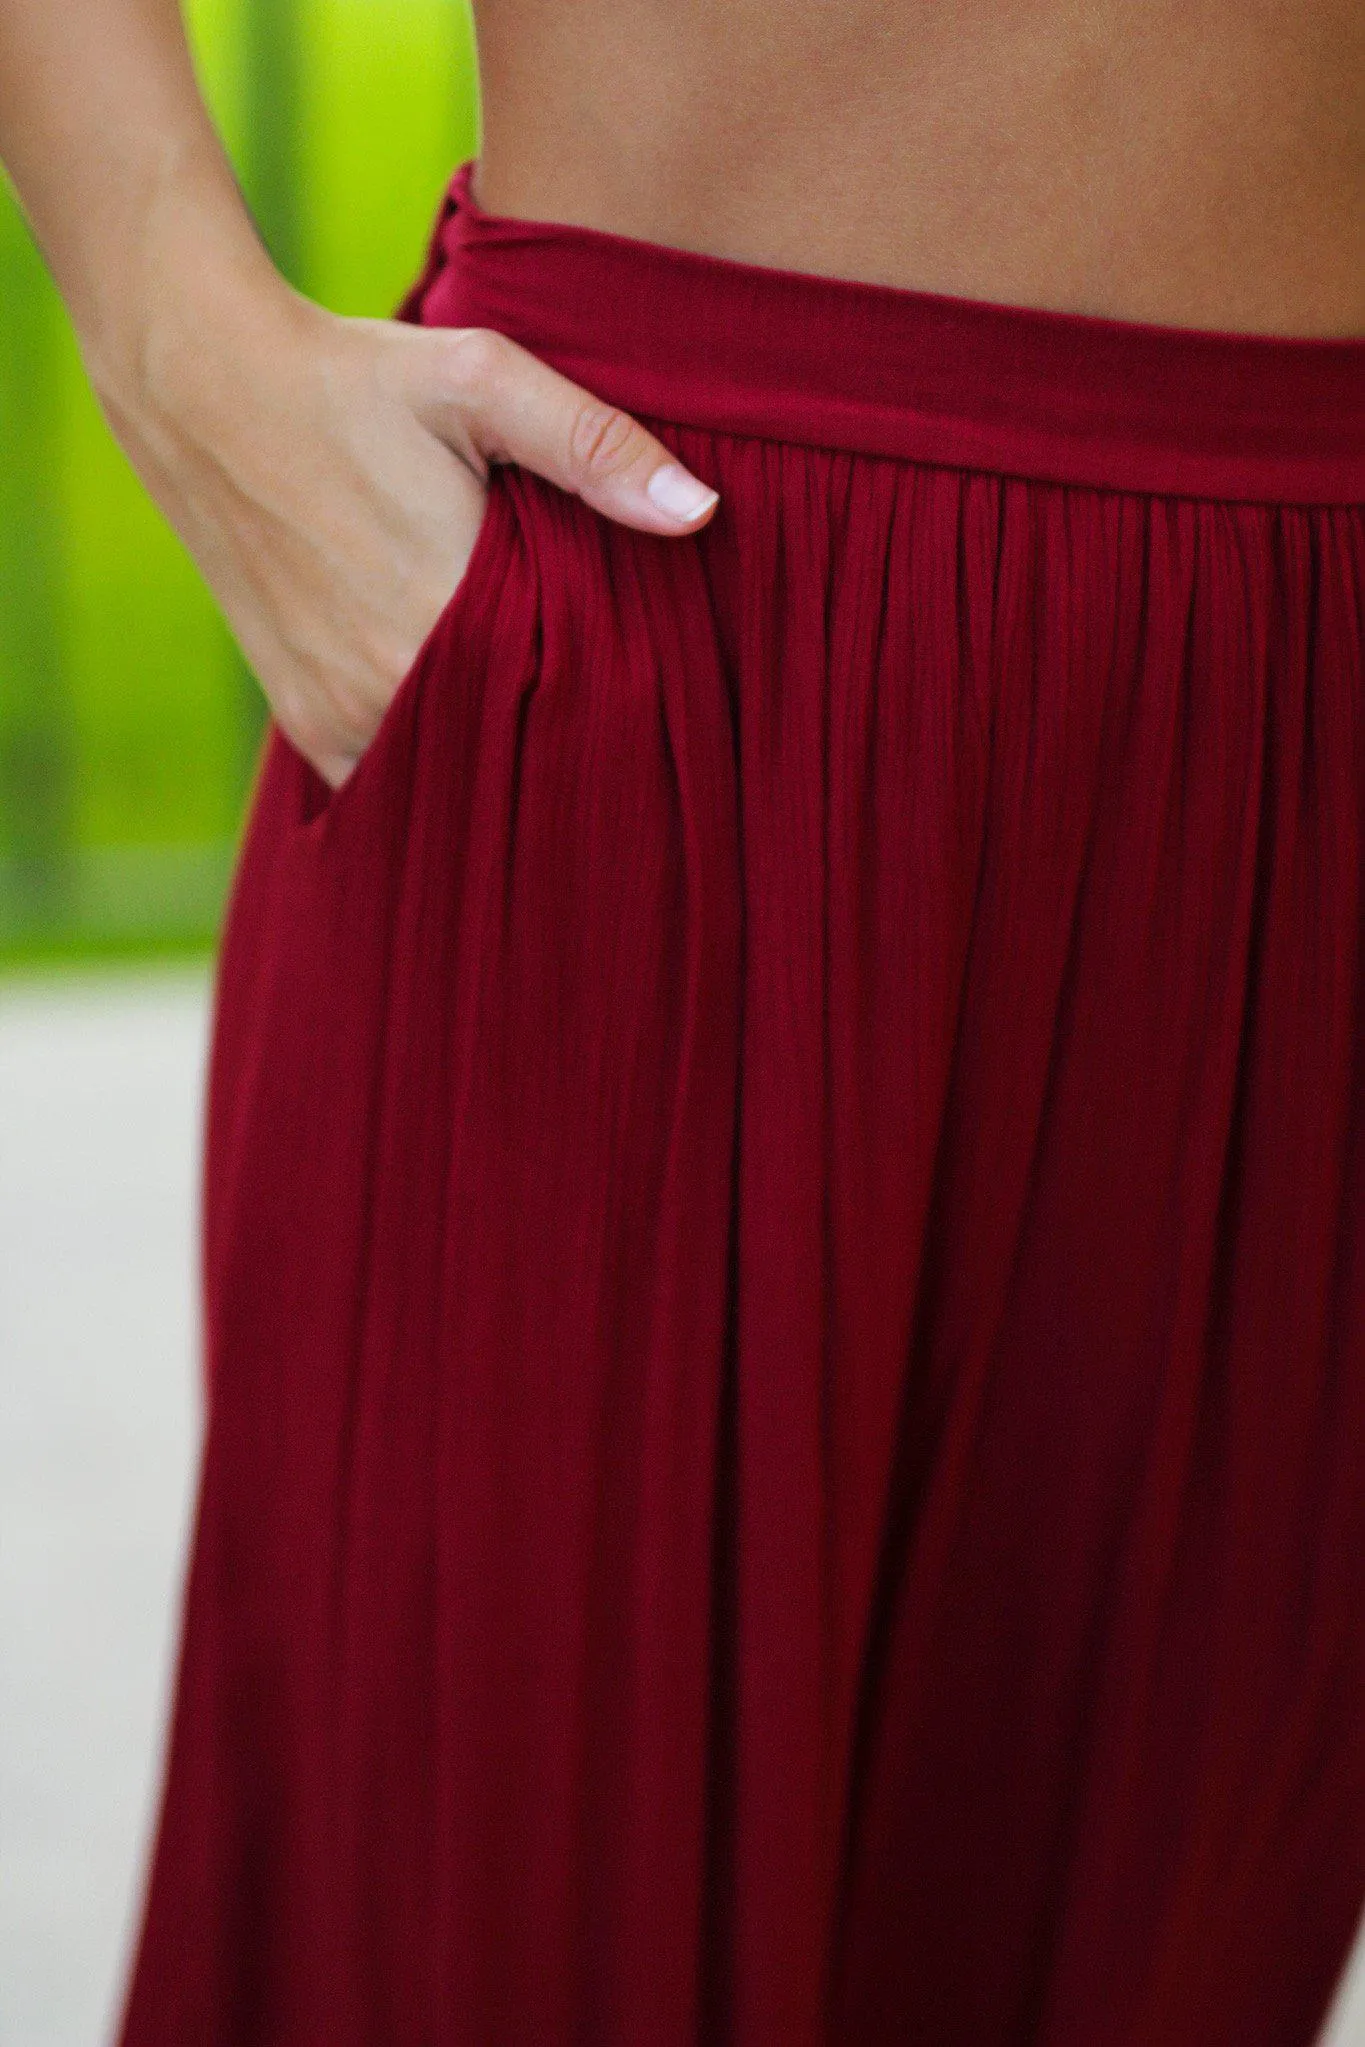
(330, 477)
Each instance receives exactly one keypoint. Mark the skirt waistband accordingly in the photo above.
(745, 348)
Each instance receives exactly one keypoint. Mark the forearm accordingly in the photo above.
(118, 167)
(328, 475)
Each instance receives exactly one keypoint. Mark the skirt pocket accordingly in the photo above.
(319, 807)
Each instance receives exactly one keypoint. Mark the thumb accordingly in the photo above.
(493, 401)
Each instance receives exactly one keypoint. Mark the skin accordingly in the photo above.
(1190, 162)
(1193, 162)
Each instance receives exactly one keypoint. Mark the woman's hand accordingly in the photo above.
(329, 476)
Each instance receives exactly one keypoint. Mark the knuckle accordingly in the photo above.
(478, 357)
(602, 440)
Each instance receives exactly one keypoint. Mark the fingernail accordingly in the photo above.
(678, 494)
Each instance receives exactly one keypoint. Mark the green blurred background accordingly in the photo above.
(129, 727)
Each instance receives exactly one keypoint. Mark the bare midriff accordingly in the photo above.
(1196, 163)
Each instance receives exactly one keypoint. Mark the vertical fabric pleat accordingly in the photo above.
(786, 1296)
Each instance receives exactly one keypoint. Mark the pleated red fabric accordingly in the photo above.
(785, 1231)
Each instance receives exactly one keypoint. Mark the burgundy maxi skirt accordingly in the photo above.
(785, 1235)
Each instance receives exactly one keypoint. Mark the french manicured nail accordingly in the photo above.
(677, 494)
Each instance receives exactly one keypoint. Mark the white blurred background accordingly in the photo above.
(100, 1084)
(99, 1106)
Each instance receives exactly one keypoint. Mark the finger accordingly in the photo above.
(485, 393)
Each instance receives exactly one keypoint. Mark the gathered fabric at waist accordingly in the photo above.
(839, 363)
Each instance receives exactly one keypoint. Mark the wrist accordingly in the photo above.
(185, 264)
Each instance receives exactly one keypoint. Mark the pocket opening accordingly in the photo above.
(319, 804)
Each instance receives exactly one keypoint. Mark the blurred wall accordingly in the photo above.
(128, 726)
